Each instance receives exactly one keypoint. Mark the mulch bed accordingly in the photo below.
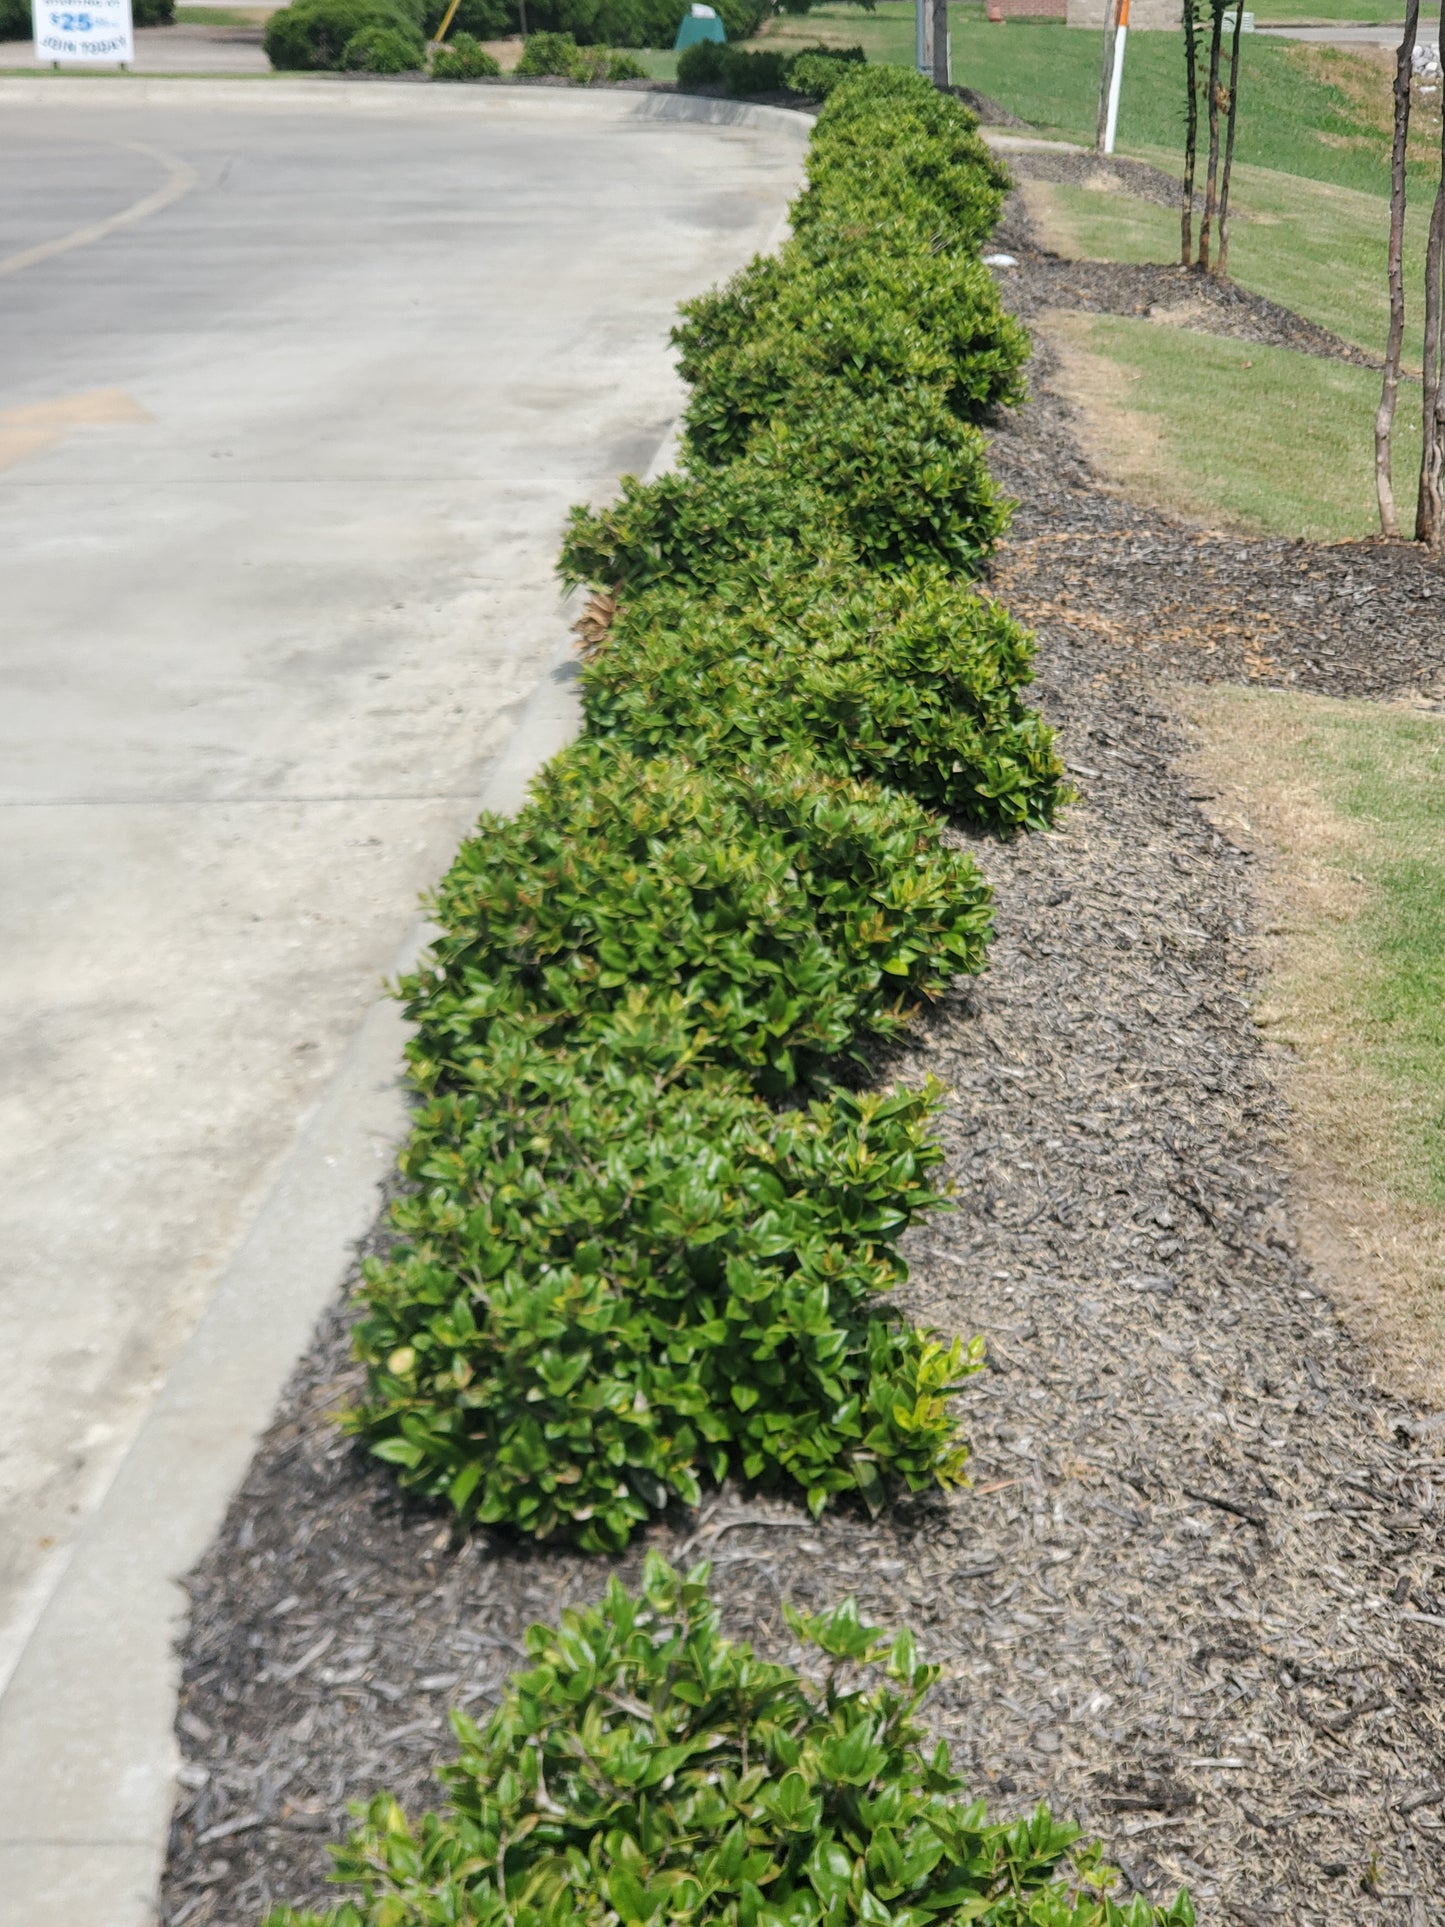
(1197, 1594)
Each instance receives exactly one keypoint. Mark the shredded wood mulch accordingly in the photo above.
(1196, 1595)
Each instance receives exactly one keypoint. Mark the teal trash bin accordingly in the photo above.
(698, 23)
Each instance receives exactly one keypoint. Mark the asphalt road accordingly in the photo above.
(283, 468)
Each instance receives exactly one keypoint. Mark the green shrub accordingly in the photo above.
(313, 35)
(383, 50)
(612, 1284)
(547, 54)
(913, 681)
(754, 73)
(793, 912)
(816, 71)
(645, 1769)
(888, 148)
(873, 317)
(558, 54)
(463, 58)
(701, 65)
(891, 481)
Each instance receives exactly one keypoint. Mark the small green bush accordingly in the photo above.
(547, 55)
(617, 1278)
(754, 73)
(463, 58)
(701, 65)
(913, 681)
(557, 54)
(383, 50)
(892, 480)
(876, 317)
(313, 35)
(646, 1770)
(816, 71)
(794, 913)
(889, 149)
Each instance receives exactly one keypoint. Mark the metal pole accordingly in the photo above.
(922, 35)
(940, 43)
(1121, 38)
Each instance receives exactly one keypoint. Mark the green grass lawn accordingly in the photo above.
(1266, 437)
(1326, 13)
(1375, 776)
(1314, 247)
(1291, 120)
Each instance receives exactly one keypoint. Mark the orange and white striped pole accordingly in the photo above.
(1111, 125)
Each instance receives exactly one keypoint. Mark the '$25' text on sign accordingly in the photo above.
(99, 32)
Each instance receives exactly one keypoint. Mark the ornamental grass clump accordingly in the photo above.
(645, 1771)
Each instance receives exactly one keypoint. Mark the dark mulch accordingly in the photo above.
(1197, 1594)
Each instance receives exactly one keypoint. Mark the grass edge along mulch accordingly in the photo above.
(1349, 953)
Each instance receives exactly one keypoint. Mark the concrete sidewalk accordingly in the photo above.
(300, 381)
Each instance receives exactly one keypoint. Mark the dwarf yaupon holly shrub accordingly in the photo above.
(889, 149)
(874, 315)
(912, 680)
(621, 1269)
(645, 1772)
(892, 479)
(790, 911)
(617, 1277)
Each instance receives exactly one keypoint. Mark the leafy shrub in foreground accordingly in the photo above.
(794, 913)
(383, 50)
(463, 58)
(913, 681)
(894, 480)
(313, 35)
(616, 1277)
(646, 1770)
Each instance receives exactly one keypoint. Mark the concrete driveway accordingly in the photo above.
(299, 381)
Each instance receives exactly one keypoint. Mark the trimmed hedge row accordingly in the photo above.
(643, 1769)
(623, 1269)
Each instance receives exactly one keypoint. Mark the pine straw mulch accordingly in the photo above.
(1197, 1593)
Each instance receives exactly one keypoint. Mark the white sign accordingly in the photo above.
(98, 34)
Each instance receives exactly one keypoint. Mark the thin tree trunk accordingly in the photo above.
(1395, 342)
(1222, 264)
(1191, 132)
(1111, 16)
(1211, 183)
(1429, 508)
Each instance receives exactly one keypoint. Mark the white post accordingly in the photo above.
(1116, 79)
(923, 35)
